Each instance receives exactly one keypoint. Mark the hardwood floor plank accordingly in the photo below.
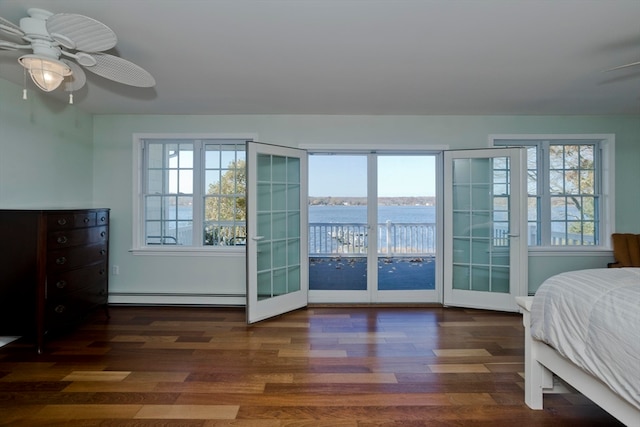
(461, 352)
(96, 376)
(211, 387)
(78, 412)
(456, 368)
(112, 387)
(188, 412)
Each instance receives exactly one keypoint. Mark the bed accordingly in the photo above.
(584, 328)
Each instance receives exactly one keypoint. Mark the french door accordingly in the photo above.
(485, 228)
(277, 268)
(372, 227)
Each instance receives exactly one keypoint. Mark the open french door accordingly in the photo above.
(485, 228)
(277, 248)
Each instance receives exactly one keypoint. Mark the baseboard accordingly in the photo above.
(122, 298)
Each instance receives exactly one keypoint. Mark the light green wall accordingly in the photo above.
(55, 155)
(46, 152)
(140, 274)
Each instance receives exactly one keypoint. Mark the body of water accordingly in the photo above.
(358, 214)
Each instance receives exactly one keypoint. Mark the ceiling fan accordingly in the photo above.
(633, 64)
(63, 45)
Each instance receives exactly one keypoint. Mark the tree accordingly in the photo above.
(225, 207)
(572, 179)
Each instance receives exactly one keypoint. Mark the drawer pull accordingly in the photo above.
(86, 220)
(103, 219)
(103, 233)
(103, 251)
(61, 284)
(60, 261)
(62, 240)
(62, 221)
(59, 309)
(102, 271)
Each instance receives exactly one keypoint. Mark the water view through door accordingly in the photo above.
(338, 223)
(372, 222)
(406, 212)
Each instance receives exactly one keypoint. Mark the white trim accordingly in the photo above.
(607, 184)
(372, 295)
(536, 136)
(361, 149)
(518, 256)
(189, 251)
(262, 308)
(138, 247)
(245, 136)
(572, 251)
(177, 299)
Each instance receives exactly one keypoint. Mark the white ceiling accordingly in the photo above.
(362, 56)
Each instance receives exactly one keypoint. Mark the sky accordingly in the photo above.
(346, 175)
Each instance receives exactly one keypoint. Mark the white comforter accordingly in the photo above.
(592, 317)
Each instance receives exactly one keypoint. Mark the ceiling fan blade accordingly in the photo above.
(633, 64)
(80, 32)
(10, 28)
(77, 79)
(6, 45)
(120, 70)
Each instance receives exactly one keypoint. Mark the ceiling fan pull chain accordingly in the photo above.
(24, 89)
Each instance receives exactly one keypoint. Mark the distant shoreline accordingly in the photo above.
(362, 201)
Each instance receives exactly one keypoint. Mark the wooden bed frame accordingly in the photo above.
(542, 362)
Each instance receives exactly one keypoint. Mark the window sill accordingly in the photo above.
(190, 251)
(595, 251)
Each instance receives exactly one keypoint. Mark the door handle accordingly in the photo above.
(257, 238)
(513, 235)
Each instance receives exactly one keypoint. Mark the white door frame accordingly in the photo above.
(264, 308)
(518, 250)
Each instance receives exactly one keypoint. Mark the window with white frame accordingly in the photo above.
(192, 193)
(566, 182)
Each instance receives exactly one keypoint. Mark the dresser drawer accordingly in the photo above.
(66, 282)
(76, 256)
(74, 305)
(102, 218)
(78, 236)
(65, 220)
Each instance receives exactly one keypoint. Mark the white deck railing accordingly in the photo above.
(398, 239)
(393, 238)
(353, 239)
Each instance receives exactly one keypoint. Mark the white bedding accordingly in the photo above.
(592, 317)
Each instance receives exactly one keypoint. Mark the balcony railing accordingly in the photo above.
(353, 239)
(399, 239)
(394, 239)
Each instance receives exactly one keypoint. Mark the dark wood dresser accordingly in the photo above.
(53, 269)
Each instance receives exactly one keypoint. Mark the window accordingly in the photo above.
(192, 193)
(566, 186)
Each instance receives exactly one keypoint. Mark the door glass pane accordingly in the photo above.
(481, 226)
(338, 233)
(278, 225)
(406, 222)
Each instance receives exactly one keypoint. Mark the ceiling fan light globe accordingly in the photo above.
(46, 73)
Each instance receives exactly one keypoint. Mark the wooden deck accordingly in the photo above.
(384, 366)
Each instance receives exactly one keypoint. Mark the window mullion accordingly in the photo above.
(198, 194)
(545, 195)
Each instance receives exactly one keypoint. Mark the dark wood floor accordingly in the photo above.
(333, 367)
